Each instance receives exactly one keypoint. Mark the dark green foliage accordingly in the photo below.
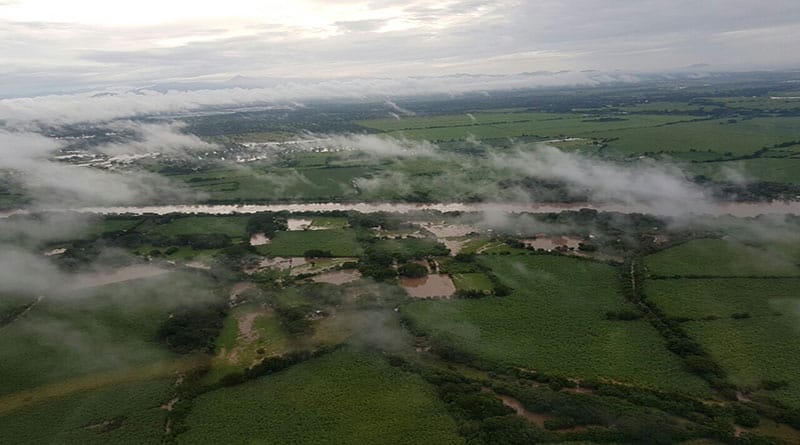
(413, 270)
(317, 253)
(745, 416)
(267, 223)
(194, 328)
(623, 315)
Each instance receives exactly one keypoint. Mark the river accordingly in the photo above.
(739, 209)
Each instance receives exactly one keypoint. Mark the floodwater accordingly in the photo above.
(338, 277)
(298, 224)
(552, 242)
(740, 209)
(431, 286)
(259, 239)
(134, 272)
(444, 230)
(282, 263)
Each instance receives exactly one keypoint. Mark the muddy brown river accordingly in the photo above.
(740, 209)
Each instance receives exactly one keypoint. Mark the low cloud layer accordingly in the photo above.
(654, 188)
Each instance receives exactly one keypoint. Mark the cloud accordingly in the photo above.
(50, 182)
(164, 138)
(382, 146)
(653, 188)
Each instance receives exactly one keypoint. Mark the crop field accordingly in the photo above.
(339, 242)
(342, 397)
(260, 185)
(723, 297)
(631, 134)
(719, 258)
(555, 322)
(233, 226)
(758, 349)
(472, 282)
(762, 169)
(112, 328)
(739, 138)
(123, 414)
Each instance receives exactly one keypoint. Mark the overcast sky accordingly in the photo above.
(51, 46)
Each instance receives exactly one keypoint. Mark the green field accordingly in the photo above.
(236, 351)
(757, 349)
(763, 169)
(276, 184)
(343, 397)
(629, 134)
(472, 282)
(123, 414)
(233, 226)
(341, 242)
(554, 322)
(715, 257)
(722, 297)
(110, 328)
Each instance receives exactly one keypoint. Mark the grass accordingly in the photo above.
(234, 352)
(722, 297)
(342, 397)
(339, 242)
(716, 257)
(67, 420)
(472, 281)
(554, 322)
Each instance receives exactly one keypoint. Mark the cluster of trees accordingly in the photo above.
(193, 328)
(267, 223)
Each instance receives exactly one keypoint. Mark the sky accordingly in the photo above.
(56, 46)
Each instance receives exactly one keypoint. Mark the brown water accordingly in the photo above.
(259, 239)
(431, 286)
(740, 209)
(298, 224)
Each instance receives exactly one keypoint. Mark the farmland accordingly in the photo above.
(413, 325)
(123, 414)
(713, 257)
(366, 401)
(554, 322)
(339, 242)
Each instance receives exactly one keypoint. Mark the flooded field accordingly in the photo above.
(279, 263)
(259, 239)
(337, 277)
(431, 286)
(299, 224)
(552, 242)
(444, 230)
(135, 272)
